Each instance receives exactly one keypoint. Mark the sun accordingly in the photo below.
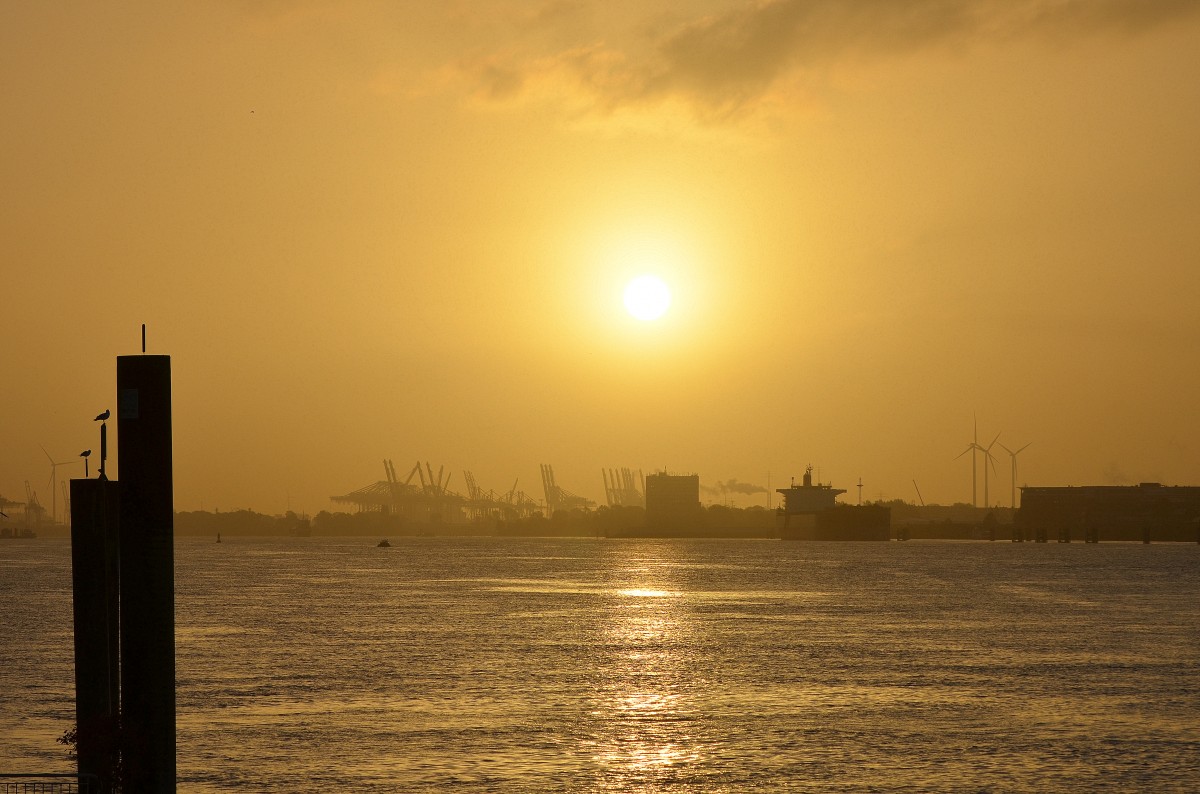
(647, 297)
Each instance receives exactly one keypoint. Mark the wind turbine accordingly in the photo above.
(54, 483)
(972, 447)
(1013, 455)
(988, 457)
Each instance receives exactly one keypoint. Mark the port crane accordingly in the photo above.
(558, 498)
(621, 488)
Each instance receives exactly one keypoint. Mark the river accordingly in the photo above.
(594, 665)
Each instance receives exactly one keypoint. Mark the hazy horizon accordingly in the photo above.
(367, 231)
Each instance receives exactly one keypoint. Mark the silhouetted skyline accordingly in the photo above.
(368, 232)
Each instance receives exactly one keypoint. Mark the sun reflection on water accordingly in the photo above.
(646, 715)
(645, 592)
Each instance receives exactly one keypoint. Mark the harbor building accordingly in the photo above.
(672, 500)
(1144, 512)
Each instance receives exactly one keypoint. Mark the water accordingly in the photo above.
(476, 664)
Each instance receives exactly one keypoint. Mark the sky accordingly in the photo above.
(369, 230)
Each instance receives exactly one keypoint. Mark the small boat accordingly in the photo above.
(383, 544)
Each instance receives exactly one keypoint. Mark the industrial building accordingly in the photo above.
(672, 499)
(22, 519)
(1145, 512)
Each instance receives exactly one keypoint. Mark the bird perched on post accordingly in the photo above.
(84, 455)
(102, 416)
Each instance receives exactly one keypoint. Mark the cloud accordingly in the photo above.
(499, 82)
(725, 65)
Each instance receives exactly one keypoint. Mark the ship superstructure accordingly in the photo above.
(808, 498)
(811, 512)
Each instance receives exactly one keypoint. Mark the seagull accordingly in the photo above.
(102, 416)
(85, 453)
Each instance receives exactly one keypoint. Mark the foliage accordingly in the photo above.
(108, 740)
(71, 739)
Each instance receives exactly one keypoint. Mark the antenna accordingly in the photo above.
(860, 491)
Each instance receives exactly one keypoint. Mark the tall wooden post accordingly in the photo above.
(95, 584)
(147, 573)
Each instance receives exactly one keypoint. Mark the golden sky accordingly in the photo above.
(399, 229)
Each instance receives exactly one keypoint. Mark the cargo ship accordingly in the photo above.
(811, 512)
